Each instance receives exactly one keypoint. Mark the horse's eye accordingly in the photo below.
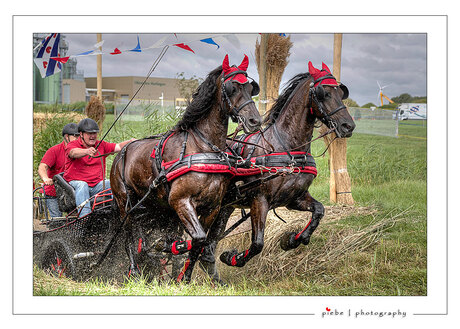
(229, 88)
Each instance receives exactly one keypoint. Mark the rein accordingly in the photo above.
(103, 155)
(152, 68)
(253, 144)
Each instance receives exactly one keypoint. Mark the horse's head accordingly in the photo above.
(237, 92)
(326, 96)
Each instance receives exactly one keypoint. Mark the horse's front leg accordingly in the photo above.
(207, 258)
(187, 214)
(196, 252)
(131, 250)
(259, 210)
(291, 240)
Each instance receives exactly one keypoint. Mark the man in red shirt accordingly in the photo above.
(84, 172)
(53, 163)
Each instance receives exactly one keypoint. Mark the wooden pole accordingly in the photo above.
(99, 69)
(340, 183)
(263, 73)
(337, 55)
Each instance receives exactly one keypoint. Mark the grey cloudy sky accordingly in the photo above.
(396, 60)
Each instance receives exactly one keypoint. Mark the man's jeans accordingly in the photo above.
(53, 208)
(83, 192)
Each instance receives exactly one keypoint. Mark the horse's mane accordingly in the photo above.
(275, 111)
(202, 101)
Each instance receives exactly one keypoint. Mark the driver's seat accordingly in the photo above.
(65, 194)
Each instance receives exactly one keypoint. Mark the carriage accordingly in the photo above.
(69, 246)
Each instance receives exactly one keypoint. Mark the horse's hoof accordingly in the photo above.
(134, 273)
(183, 280)
(219, 283)
(306, 240)
(226, 256)
(288, 241)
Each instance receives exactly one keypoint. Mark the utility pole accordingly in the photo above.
(99, 69)
(263, 73)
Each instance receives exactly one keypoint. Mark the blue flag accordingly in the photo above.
(138, 47)
(210, 41)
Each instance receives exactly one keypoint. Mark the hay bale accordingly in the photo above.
(96, 111)
(276, 61)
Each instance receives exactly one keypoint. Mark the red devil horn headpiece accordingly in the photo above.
(225, 65)
(227, 69)
(326, 68)
(244, 64)
(312, 70)
(316, 74)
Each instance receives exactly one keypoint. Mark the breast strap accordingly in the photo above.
(205, 162)
(276, 159)
(296, 159)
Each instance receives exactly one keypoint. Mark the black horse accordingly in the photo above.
(183, 176)
(308, 97)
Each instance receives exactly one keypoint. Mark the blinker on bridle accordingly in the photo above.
(227, 88)
(317, 94)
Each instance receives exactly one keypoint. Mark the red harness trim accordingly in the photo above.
(204, 168)
(152, 155)
(174, 250)
(181, 274)
(298, 234)
(246, 139)
(223, 168)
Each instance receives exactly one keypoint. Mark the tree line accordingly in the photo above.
(403, 98)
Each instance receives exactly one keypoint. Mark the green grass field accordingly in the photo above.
(388, 177)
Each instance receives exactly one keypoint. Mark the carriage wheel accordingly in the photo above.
(57, 260)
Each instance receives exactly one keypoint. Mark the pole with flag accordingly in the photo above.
(99, 69)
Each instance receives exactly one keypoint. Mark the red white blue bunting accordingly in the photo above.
(50, 62)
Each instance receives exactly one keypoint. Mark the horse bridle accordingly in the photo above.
(235, 111)
(313, 95)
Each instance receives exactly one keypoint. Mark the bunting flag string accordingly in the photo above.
(62, 60)
(160, 43)
(49, 60)
(183, 46)
(210, 41)
(94, 51)
(116, 51)
(138, 47)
